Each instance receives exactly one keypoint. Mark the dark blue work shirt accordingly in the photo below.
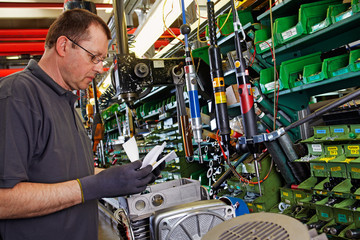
(42, 140)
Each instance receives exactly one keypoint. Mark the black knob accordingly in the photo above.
(185, 29)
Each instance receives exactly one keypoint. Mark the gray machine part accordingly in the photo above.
(190, 221)
(162, 196)
(263, 225)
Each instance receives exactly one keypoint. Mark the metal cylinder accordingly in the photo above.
(121, 28)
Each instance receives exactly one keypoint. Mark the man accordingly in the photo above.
(47, 187)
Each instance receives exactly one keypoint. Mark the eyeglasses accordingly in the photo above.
(95, 59)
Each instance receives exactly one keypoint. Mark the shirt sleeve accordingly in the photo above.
(17, 139)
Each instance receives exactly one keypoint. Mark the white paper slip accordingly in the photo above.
(168, 157)
(131, 149)
(152, 156)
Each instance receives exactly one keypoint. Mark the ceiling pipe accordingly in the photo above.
(11, 49)
(31, 34)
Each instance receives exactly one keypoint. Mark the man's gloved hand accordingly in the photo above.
(117, 181)
(159, 168)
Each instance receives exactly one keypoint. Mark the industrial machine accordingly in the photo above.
(177, 209)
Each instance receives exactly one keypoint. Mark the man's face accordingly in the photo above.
(80, 69)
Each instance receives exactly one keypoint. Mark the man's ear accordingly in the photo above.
(62, 45)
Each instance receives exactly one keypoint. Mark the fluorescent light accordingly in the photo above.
(194, 26)
(13, 57)
(153, 27)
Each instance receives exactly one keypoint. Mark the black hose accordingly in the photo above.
(325, 109)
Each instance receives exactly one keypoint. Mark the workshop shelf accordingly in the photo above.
(286, 7)
(337, 34)
(298, 97)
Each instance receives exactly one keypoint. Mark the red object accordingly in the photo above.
(34, 48)
(5, 72)
(293, 186)
(161, 43)
(23, 33)
(236, 134)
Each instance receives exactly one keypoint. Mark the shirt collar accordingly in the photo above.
(35, 69)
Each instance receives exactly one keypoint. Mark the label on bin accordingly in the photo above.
(289, 33)
(318, 167)
(298, 195)
(342, 218)
(338, 130)
(270, 86)
(333, 150)
(354, 169)
(321, 131)
(316, 147)
(286, 194)
(321, 192)
(342, 16)
(354, 149)
(318, 26)
(325, 215)
(259, 206)
(335, 169)
(265, 45)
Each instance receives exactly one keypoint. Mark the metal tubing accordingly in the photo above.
(325, 109)
(228, 172)
(121, 29)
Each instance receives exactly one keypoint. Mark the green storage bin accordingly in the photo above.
(244, 17)
(291, 71)
(319, 167)
(357, 217)
(355, 5)
(340, 12)
(333, 150)
(308, 184)
(354, 61)
(284, 26)
(324, 213)
(353, 168)
(352, 150)
(321, 132)
(312, 73)
(337, 167)
(315, 149)
(355, 130)
(299, 195)
(343, 189)
(342, 214)
(335, 66)
(314, 16)
(202, 53)
(287, 195)
(263, 41)
(339, 131)
(267, 82)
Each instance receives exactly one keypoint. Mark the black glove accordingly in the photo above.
(159, 168)
(117, 181)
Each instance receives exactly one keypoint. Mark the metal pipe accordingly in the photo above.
(325, 109)
(120, 25)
